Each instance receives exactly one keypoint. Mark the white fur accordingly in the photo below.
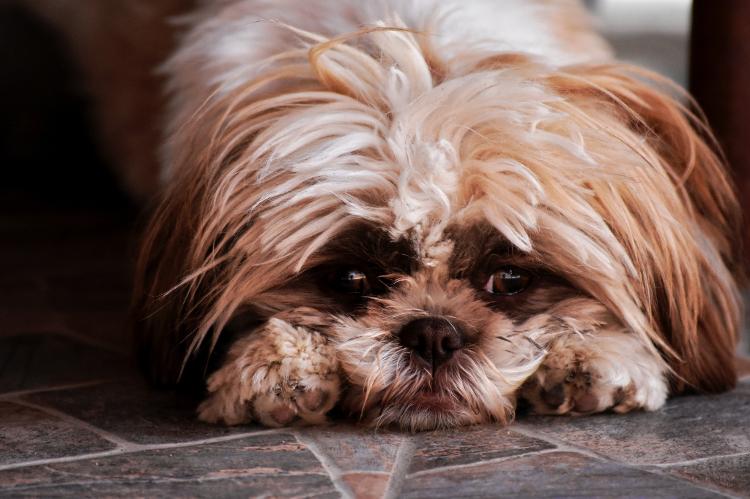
(615, 360)
(234, 41)
(272, 376)
(291, 123)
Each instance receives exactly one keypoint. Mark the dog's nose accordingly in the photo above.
(433, 339)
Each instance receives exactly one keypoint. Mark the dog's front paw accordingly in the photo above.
(282, 373)
(589, 374)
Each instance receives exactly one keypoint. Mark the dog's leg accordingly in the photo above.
(283, 372)
(608, 370)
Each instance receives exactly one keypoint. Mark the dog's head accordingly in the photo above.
(448, 216)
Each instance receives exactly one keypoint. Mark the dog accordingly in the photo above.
(420, 213)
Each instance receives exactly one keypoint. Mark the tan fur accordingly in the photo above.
(584, 374)
(614, 190)
(395, 148)
(283, 372)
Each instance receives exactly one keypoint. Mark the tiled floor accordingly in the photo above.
(76, 420)
(82, 424)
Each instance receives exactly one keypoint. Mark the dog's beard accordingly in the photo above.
(504, 336)
(392, 385)
(478, 384)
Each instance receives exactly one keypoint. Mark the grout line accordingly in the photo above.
(128, 481)
(483, 462)
(400, 468)
(708, 487)
(119, 442)
(66, 459)
(646, 468)
(700, 460)
(398, 474)
(53, 388)
(131, 448)
(561, 445)
(713, 488)
(567, 447)
(211, 440)
(126, 445)
(334, 472)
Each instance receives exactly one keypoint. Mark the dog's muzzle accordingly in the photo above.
(432, 340)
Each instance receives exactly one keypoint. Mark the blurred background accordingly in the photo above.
(650, 33)
(68, 231)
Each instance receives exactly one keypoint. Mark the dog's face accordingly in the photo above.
(444, 221)
(440, 340)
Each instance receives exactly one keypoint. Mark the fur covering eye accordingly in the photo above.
(334, 180)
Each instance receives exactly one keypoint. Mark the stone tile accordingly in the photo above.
(271, 465)
(554, 474)
(356, 449)
(367, 485)
(27, 434)
(470, 445)
(41, 360)
(135, 412)
(686, 428)
(730, 473)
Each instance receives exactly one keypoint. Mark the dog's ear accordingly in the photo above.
(200, 261)
(175, 291)
(161, 311)
(688, 283)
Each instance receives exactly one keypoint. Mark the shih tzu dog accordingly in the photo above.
(419, 212)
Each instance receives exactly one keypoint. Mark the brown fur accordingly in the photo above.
(382, 150)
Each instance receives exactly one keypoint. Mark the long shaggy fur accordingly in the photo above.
(294, 125)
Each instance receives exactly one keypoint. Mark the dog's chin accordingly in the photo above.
(436, 402)
(426, 411)
(424, 406)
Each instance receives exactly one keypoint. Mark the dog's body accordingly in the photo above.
(420, 210)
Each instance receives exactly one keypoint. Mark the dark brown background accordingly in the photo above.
(720, 81)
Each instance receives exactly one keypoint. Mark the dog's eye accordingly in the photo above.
(351, 281)
(508, 281)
